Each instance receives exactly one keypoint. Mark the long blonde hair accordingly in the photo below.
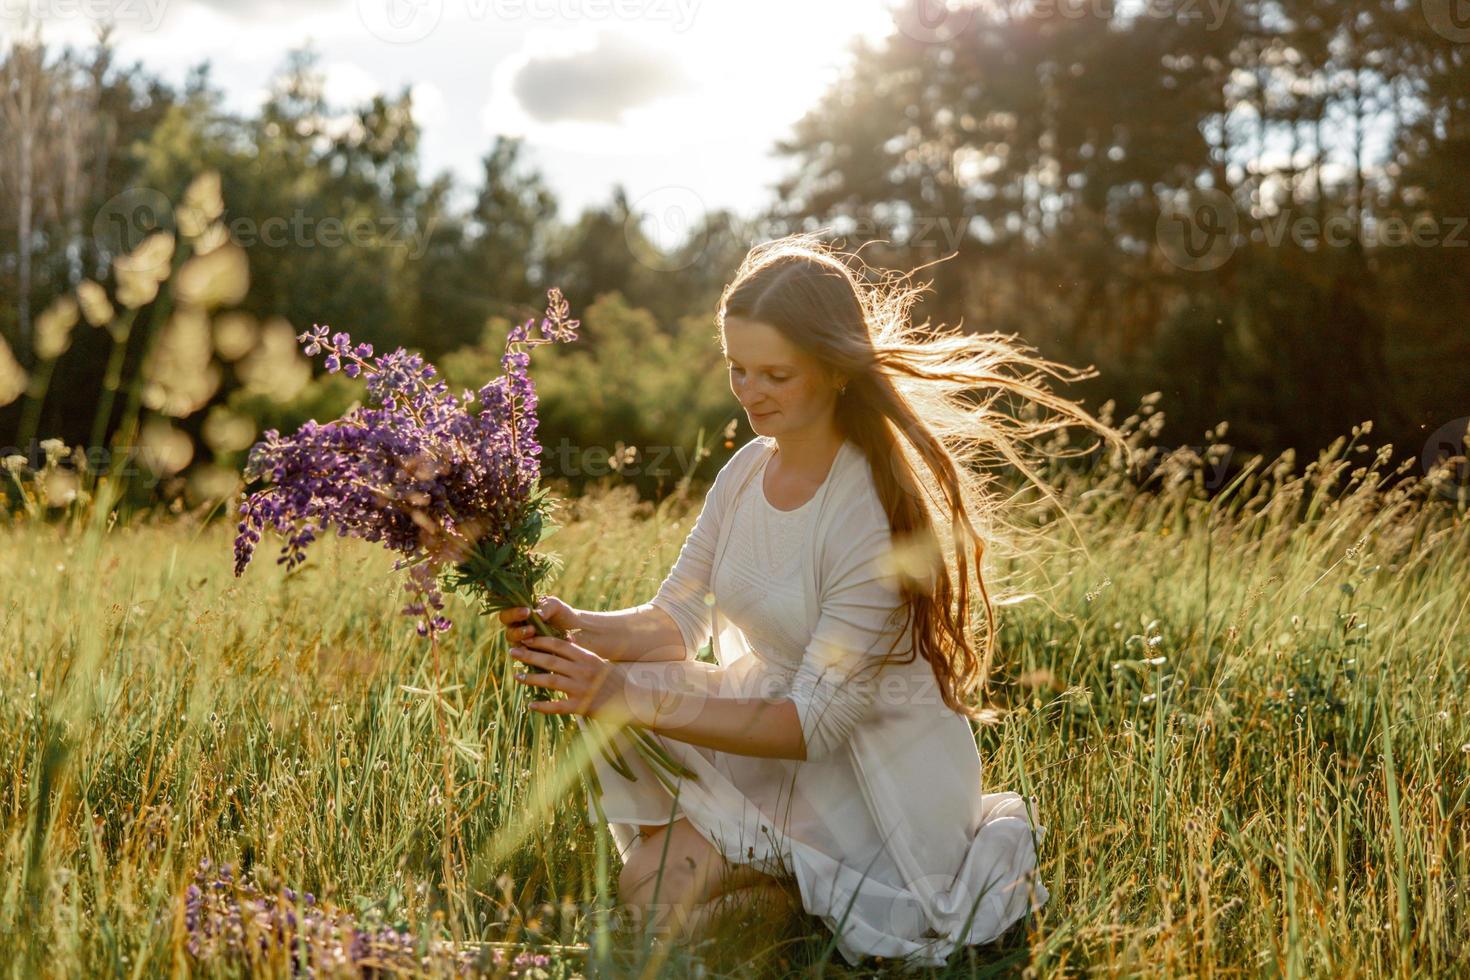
(937, 388)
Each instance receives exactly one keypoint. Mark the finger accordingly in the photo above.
(558, 646)
(561, 707)
(537, 659)
(549, 681)
(512, 616)
(547, 644)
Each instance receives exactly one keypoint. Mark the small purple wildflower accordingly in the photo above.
(239, 924)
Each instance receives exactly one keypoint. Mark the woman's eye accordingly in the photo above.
(772, 377)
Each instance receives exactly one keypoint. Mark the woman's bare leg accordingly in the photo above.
(766, 906)
(672, 870)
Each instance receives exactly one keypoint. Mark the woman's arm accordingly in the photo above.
(659, 700)
(768, 728)
(832, 692)
(643, 632)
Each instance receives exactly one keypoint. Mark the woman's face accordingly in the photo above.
(782, 388)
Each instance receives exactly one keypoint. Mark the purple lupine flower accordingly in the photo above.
(239, 924)
(448, 482)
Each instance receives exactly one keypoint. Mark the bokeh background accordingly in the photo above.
(1256, 209)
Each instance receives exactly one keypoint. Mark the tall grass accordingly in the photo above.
(1242, 713)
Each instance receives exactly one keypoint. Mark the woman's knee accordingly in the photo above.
(650, 866)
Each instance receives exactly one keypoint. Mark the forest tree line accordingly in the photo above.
(1257, 209)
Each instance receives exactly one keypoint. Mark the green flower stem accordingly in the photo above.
(656, 753)
(158, 314)
(609, 751)
(120, 329)
(35, 398)
(643, 740)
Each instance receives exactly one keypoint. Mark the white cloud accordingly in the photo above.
(272, 10)
(723, 78)
(347, 85)
(618, 74)
(430, 110)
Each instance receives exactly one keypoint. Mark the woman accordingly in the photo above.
(829, 738)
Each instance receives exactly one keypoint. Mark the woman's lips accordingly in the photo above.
(761, 415)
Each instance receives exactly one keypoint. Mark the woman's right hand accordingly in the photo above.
(552, 610)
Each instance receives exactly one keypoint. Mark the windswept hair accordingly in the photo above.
(927, 406)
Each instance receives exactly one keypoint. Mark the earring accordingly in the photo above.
(842, 388)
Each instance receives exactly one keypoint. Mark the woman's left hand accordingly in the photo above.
(594, 687)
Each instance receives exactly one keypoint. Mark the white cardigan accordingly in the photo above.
(967, 858)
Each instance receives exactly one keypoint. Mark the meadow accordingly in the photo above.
(1241, 709)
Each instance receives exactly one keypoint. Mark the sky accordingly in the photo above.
(680, 101)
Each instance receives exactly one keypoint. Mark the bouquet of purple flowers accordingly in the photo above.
(451, 483)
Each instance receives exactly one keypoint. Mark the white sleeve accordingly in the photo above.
(682, 593)
(856, 626)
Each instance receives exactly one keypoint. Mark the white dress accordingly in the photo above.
(853, 856)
